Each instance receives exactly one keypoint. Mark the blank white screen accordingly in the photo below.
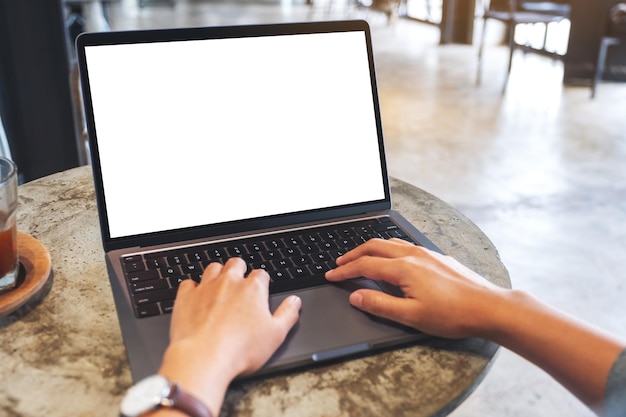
(208, 131)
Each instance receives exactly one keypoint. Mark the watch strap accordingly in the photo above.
(187, 403)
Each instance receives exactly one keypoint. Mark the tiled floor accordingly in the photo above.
(541, 169)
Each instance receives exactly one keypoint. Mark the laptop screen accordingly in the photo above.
(200, 132)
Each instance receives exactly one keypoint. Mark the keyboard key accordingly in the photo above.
(191, 268)
(319, 268)
(398, 233)
(132, 258)
(170, 271)
(311, 238)
(251, 257)
(167, 306)
(255, 247)
(148, 310)
(143, 286)
(216, 253)
(198, 256)
(329, 235)
(235, 251)
(156, 263)
(384, 227)
(282, 263)
(327, 245)
(274, 244)
(142, 275)
(269, 255)
(177, 259)
(359, 240)
(134, 266)
(155, 296)
(289, 252)
(301, 260)
(298, 272)
(175, 281)
(346, 232)
(308, 248)
(293, 241)
(262, 265)
(347, 243)
(279, 275)
(321, 257)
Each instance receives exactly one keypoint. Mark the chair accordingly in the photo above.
(615, 35)
(513, 13)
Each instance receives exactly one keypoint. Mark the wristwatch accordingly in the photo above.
(155, 392)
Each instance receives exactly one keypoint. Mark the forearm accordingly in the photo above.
(577, 355)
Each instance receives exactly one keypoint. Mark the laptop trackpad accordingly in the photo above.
(329, 327)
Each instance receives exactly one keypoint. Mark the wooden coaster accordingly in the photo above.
(34, 272)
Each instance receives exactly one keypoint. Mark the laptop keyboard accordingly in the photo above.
(294, 260)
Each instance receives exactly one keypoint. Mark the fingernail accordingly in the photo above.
(295, 301)
(356, 299)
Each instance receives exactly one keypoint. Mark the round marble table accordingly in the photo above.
(62, 352)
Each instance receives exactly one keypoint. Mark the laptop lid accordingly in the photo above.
(280, 122)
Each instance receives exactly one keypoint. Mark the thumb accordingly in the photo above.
(380, 304)
(287, 313)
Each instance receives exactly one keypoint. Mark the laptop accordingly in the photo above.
(263, 142)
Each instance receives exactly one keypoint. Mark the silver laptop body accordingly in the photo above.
(206, 136)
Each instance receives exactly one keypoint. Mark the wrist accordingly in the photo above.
(514, 314)
(157, 395)
(495, 312)
(199, 372)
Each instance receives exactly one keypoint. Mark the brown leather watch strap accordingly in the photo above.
(187, 403)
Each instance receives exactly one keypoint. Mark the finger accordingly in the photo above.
(286, 315)
(185, 287)
(393, 248)
(261, 278)
(383, 305)
(235, 267)
(260, 274)
(212, 271)
(380, 269)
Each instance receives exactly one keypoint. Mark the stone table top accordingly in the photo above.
(62, 353)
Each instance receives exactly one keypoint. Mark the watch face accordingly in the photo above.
(144, 396)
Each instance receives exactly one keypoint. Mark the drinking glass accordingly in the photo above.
(9, 263)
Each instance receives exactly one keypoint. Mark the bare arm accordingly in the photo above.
(444, 298)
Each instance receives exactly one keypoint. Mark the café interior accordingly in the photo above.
(532, 150)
